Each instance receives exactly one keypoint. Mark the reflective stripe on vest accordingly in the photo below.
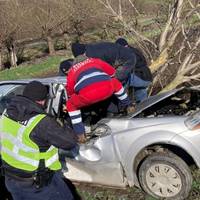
(19, 151)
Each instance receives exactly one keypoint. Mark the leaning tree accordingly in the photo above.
(173, 55)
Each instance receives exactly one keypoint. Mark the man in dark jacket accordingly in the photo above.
(142, 77)
(30, 141)
(121, 58)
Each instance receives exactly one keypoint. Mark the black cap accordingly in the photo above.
(65, 65)
(35, 91)
(121, 41)
(78, 49)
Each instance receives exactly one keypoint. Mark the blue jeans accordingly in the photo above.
(140, 87)
(140, 92)
(56, 190)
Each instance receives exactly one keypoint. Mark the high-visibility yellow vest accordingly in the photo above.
(19, 151)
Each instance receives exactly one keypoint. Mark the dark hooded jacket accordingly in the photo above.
(46, 133)
(121, 58)
(141, 68)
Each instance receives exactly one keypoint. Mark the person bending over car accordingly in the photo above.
(64, 66)
(121, 58)
(142, 77)
(91, 80)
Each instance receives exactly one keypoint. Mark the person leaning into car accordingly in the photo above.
(142, 76)
(30, 142)
(118, 56)
(91, 80)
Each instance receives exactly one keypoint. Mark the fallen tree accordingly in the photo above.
(178, 24)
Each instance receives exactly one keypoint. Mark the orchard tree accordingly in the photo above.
(9, 26)
(46, 17)
(12, 15)
(83, 16)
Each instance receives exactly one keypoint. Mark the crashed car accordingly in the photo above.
(153, 149)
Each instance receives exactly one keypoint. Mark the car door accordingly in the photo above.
(58, 96)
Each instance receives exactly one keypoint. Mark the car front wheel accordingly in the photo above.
(164, 175)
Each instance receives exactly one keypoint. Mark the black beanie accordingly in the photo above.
(65, 65)
(35, 91)
(78, 49)
(121, 41)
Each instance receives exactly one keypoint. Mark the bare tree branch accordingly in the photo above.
(138, 36)
(132, 4)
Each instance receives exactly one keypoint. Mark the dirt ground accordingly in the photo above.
(89, 192)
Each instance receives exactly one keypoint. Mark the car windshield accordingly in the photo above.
(7, 91)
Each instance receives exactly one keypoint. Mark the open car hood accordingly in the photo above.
(153, 100)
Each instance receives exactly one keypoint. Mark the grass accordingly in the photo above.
(43, 67)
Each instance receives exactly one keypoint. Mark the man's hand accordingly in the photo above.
(82, 138)
(130, 109)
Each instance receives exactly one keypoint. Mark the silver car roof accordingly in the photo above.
(55, 79)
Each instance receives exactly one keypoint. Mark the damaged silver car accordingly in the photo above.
(153, 149)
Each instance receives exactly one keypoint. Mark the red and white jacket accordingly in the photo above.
(87, 72)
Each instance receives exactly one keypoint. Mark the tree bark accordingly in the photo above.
(173, 84)
(50, 43)
(66, 40)
(13, 56)
(160, 61)
(1, 62)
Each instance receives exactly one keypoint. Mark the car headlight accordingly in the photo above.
(102, 129)
(193, 121)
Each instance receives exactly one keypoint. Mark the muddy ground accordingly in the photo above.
(89, 192)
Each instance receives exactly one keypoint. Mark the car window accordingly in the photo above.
(7, 92)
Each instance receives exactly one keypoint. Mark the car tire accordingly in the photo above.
(165, 176)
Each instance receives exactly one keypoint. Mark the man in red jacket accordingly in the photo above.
(89, 81)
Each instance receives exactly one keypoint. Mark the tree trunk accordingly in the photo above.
(13, 56)
(50, 45)
(173, 84)
(1, 62)
(66, 40)
(160, 61)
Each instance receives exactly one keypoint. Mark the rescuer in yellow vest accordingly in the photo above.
(29, 147)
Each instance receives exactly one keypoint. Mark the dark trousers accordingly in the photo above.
(25, 190)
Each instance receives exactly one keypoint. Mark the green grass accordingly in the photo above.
(42, 68)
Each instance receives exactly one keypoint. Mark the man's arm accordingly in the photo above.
(127, 61)
(127, 57)
(70, 83)
(52, 133)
